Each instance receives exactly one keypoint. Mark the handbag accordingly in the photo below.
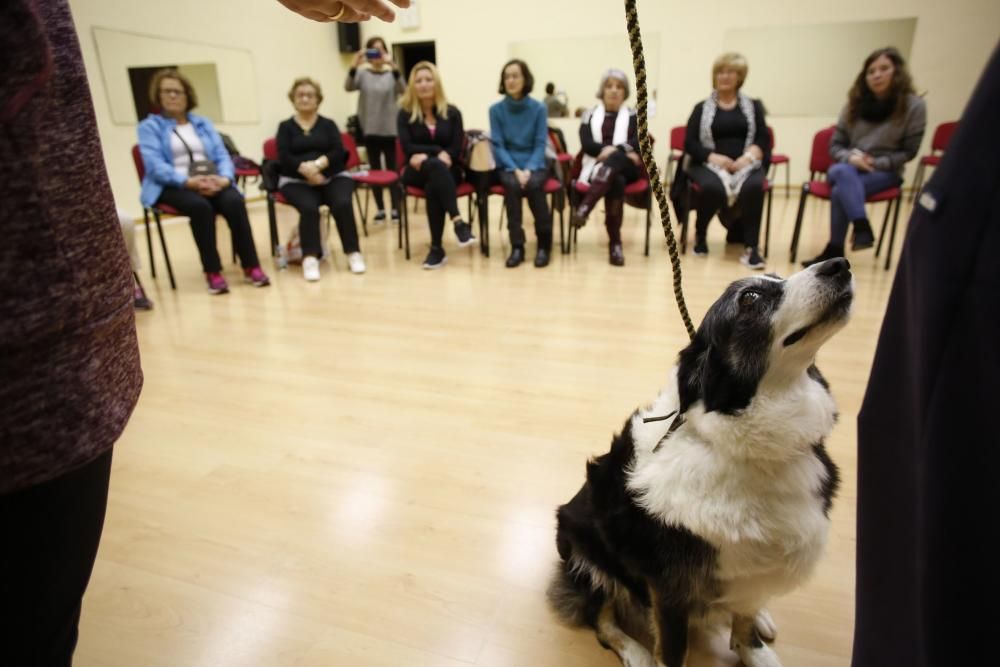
(197, 167)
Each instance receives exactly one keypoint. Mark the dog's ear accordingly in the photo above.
(704, 373)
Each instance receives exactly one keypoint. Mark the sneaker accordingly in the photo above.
(463, 231)
(142, 302)
(864, 237)
(310, 269)
(356, 262)
(700, 247)
(216, 283)
(436, 258)
(752, 259)
(380, 217)
(256, 277)
(395, 215)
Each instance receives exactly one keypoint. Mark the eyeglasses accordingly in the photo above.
(305, 94)
(178, 92)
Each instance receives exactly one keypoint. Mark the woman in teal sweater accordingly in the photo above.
(519, 129)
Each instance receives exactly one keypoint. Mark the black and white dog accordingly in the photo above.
(704, 516)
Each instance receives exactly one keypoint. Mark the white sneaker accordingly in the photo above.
(356, 262)
(310, 269)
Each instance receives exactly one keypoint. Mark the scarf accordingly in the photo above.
(733, 183)
(619, 137)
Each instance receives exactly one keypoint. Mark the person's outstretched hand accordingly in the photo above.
(353, 10)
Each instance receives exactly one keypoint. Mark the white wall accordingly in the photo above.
(473, 39)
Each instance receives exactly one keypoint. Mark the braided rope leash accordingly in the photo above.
(639, 64)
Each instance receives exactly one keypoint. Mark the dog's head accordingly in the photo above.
(763, 327)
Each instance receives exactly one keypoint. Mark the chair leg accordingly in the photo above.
(767, 223)
(684, 232)
(918, 181)
(892, 232)
(788, 182)
(649, 224)
(163, 246)
(272, 222)
(149, 241)
(405, 223)
(798, 222)
(364, 218)
(885, 225)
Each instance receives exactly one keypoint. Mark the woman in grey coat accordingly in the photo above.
(380, 84)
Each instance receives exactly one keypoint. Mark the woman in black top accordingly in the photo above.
(312, 158)
(431, 135)
(729, 150)
(610, 143)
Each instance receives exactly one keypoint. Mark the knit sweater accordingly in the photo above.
(69, 359)
(892, 142)
(518, 131)
(377, 102)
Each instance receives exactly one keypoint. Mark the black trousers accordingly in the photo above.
(535, 195)
(308, 198)
(202, 211)
(50, 536)
(382, 151)
(439, 182)
(712, 199)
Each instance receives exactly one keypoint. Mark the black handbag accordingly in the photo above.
(197, 167)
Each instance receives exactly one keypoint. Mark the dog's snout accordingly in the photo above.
(833, 268)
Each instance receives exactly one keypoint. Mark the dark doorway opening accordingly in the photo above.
(409, 54)
(140, 78)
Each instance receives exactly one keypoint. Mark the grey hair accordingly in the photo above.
(614, 73)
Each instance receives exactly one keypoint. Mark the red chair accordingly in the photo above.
(819, 163)
(382, 178)
(157, 210)
(942, 136)
(269, 182)
(676, 152)
(638, 195)
(461, 190)
(778, 159)
(695, 190)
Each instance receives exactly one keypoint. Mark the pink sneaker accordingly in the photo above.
(256, 276)
(216, 283)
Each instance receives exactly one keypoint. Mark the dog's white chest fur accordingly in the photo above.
(747, 484)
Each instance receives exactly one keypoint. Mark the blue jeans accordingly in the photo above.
(847, 195)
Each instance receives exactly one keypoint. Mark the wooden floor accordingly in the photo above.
(364, 471)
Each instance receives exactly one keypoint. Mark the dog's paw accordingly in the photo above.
(766, 627)
(761, 656)
(635, 655)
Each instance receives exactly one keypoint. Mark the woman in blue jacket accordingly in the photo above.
(519, 130)
(189, 169)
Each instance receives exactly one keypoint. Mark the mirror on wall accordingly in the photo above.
(806, 70)
(223, 77)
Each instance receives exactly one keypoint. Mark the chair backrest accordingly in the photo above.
(351, 146)
(820, 160)
(140, 167)
(400, 156)
(770, 135)
(271, 149)
(942, 135)
(677, 135)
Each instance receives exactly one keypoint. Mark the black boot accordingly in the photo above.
(615, 255)
(600, 183)
(864, 237)
(516, 256)
(829, 252)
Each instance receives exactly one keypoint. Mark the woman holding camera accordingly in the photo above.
(380, 84)
(188, 168)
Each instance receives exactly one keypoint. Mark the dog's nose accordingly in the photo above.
(834, 267)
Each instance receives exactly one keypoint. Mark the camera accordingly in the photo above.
(373, 54)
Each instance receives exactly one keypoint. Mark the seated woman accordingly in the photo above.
(519, 131)
(311, 156)
(878, 132)
(729, 151)
(431, 135)
(610, 143)
(188, 168)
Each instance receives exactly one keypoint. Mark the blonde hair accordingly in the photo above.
(409, 101)
(305, 81)
(733, 61)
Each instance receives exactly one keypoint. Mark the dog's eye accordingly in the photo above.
(749, 298)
